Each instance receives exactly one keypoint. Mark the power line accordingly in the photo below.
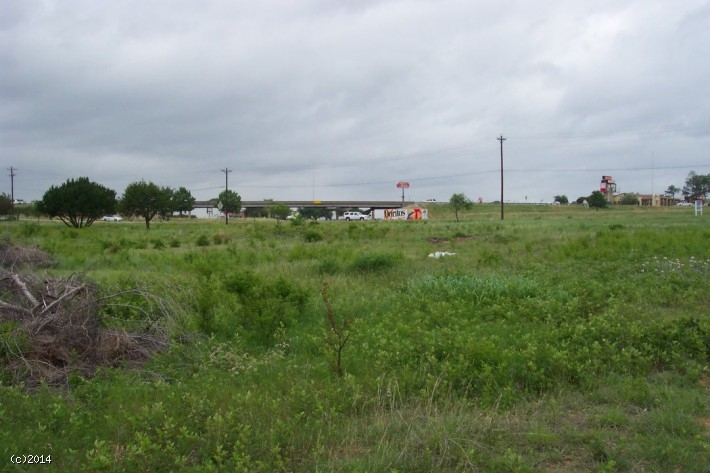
(465, 174)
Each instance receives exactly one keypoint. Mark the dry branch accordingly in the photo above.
(23, 288)
(13, 256)
(64, 333)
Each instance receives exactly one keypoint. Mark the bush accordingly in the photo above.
(202, 240)
(312, 236)
(328, 265)
(220, 238)
(373, 262)
(265, 304)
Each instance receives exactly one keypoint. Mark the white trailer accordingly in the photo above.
(409, 213)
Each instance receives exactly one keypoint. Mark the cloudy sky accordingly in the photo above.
(318, 99)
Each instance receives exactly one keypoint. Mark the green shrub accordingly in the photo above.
(312, 236)
(30, 229)
(265, 304)
(328, 265)
(374, 262)
(202, 240)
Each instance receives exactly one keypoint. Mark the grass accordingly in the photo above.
(559, 339)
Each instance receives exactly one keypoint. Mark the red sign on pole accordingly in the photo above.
(402, 185)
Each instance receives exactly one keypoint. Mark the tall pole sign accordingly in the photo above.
(501, 139)
(402, 185)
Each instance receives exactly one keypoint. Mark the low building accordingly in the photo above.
(650, 200)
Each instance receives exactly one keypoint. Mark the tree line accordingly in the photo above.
(80, 202)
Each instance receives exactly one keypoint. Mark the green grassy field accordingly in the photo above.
(558, 340)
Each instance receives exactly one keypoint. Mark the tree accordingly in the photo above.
(671, 191)
(183, 201)
(597, 200)
(314, 213)
(6, 207)
(146, 200)
(696, 186)
(629, 199)
(255, 212)
(562, 199)
(78, 203)
(279, 211)
(459, 202)
(231, 202)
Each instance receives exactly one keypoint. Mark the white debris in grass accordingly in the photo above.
(439, 254)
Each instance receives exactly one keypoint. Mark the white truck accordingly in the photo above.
(354, 216)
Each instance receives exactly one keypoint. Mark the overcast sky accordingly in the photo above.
(317, 99)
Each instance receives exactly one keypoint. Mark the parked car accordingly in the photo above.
(112, 218)
(683, 204)
(354, 216)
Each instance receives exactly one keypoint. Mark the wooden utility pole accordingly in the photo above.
(501, 139)
(12, 185)
(226, 195)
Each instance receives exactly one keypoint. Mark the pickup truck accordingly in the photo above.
(354, 216)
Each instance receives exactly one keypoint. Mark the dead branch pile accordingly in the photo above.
(55, 330)
(14, 256)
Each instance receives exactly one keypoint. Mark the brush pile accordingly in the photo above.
(53, 328)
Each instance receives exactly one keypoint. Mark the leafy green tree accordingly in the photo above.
(146, 199)
(459, 202)
(32, 210)
(6, 207)
(562, 199)
(697, 186)
(597, 200)
(672, 191)
(314, 213)
(256, 212)
(78, 202)
(231, 202)
(183, 201)
(279, 211)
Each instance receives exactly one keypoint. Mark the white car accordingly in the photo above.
(683, 204)
(354, 216)
(112, 218)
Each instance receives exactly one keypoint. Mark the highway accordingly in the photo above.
(327, 204)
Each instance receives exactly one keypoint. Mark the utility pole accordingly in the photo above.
(12, 184)
(501, 139)
(226, 196)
